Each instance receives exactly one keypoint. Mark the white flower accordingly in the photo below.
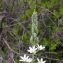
(40, 47)
(29, 60)
(41, 60)
(25, 59)
(32, 50)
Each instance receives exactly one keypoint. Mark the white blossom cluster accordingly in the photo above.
(36, 48)
(34, 42)
(32, 50)
(25, 59)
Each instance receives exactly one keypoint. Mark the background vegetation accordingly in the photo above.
(15, 29)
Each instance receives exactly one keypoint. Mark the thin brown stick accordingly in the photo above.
(9, 46)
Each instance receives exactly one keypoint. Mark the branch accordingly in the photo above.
(9, 46)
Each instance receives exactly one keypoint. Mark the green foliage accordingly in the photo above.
(50, 23)
(53, 45)
(43, 41)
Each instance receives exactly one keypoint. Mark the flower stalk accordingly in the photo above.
(34, 42)
(34, 38)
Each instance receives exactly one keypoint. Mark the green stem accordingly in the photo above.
(33, 58)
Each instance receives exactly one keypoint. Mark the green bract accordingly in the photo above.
(34, 38)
